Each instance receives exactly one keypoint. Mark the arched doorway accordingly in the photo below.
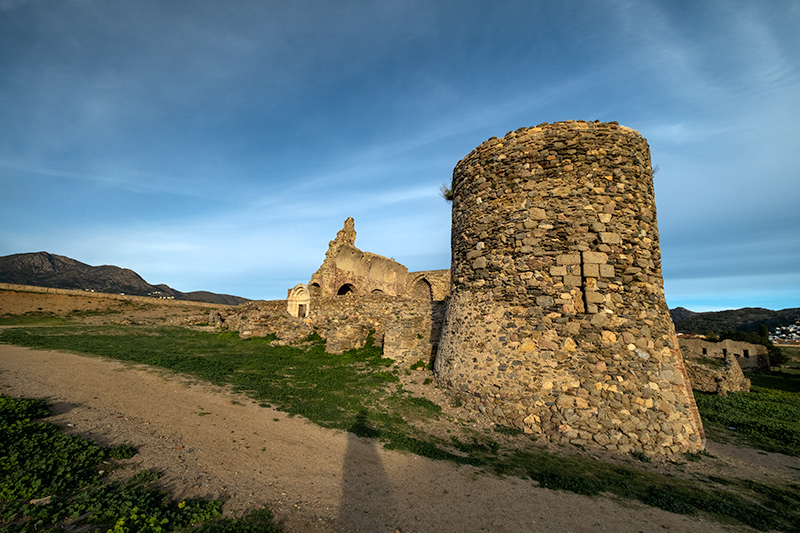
(421, 290)
(298, 301)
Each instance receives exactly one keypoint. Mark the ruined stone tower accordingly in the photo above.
(557, 322)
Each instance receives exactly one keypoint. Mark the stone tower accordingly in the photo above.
(557, 322)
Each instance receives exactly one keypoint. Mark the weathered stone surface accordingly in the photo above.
(720, 376)
(348, 271)
(749, 356)
(571, 287)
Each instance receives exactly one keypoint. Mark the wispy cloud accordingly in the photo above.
(236, 139)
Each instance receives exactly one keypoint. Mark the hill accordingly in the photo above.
(43, 269)
(746, 319)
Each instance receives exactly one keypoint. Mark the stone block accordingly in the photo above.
(558, 270)
(569, 259)
(594, 297)
(595, 257)
(591, 270)
(610, 238)
(537, 213)
(606, 271)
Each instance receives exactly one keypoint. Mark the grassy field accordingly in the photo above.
(793, 353)
(51, 480)
(767, 417)
(360, 391)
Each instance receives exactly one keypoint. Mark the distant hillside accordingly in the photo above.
(747, 319)
(202, 296)
(43, 269)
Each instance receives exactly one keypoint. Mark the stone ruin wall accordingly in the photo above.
(720, 377)
(403, 310)
(748, 356)
(408, 330)
(557, 322)
(348, 270)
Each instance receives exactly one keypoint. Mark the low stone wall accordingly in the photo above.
(125, 297)
(750, 357)
(407, 329)
(717, 376)
(261, 319)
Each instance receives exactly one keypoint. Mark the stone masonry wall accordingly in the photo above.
(749, 356)
(363, 272)
(439, 281)
(407, 329)
(557, 322)
(717, 375)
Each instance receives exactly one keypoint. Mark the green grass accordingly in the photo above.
(792, 354)
(32, 319)
(358, 391)
(767, 417)
(49, 480)
(330, 390)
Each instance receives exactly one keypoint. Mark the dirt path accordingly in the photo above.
(211, 443)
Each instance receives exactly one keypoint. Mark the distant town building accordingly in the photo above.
(790, 333)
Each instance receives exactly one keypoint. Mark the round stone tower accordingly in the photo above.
(557, 322)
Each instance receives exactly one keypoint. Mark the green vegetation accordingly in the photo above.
(767, 417)
(330, 390)
(446, 192)
(419, 365)
(792, 354)
(50, 480)
(31, 319)
(359, 391)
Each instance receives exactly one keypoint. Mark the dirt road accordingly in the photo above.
(212, 443)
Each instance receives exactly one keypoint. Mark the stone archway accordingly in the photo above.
(315, 290)
(346, 289)
(421, 290)
(298, 301)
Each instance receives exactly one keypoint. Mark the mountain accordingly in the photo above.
(202, 296)
(680, 313)
(746, 319)
(43, 269)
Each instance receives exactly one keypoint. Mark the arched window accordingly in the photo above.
(347, 288)
(314, 289)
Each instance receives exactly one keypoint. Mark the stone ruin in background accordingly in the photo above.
(552, 318)
(352, 294)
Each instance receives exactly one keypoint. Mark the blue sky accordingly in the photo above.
(216, 145)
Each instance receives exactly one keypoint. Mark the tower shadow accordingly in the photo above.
(367, 501)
